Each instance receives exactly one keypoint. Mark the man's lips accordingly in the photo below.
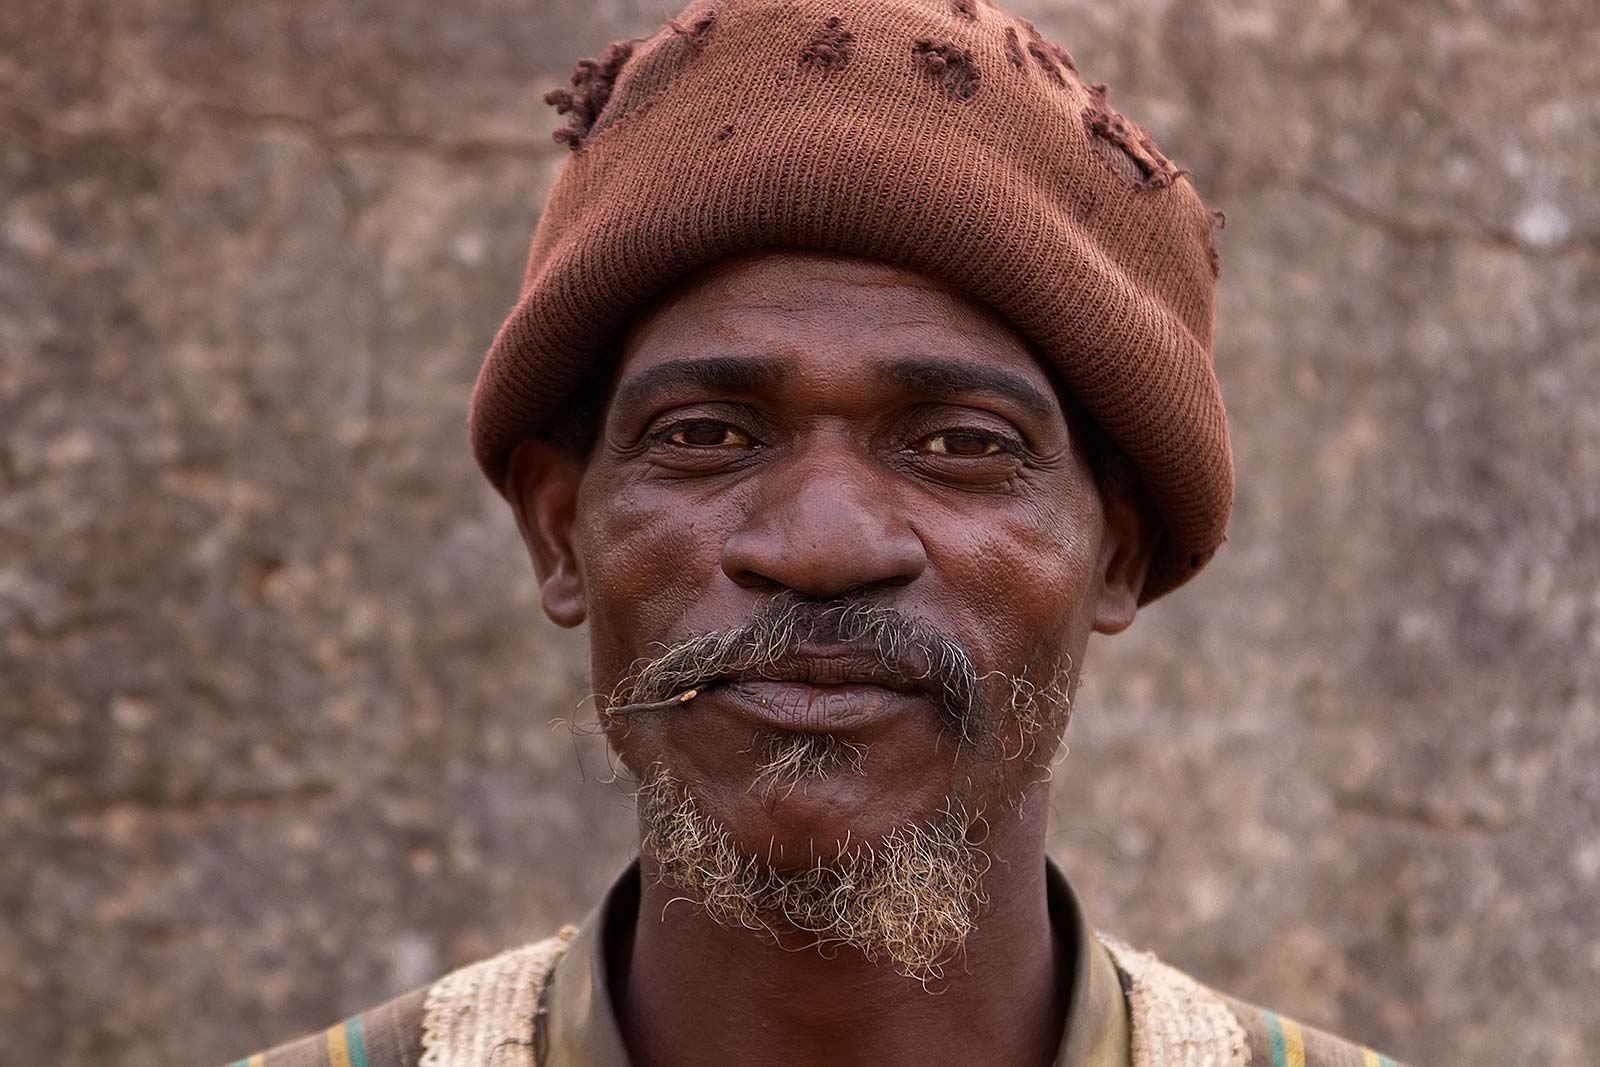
(824, 693)
(805, 708)
(832, 689)
(840, 666)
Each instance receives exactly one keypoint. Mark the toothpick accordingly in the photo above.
(655, 705)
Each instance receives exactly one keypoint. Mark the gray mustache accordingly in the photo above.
(768, 643)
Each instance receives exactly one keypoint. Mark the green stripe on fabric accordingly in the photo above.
(1280, 1047)
(1384, 1061)
(355, 1041)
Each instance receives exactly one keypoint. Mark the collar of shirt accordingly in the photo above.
(579, 1028)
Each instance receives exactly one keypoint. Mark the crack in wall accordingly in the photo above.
(122, 814)
(1420, 814)
(203, 116)
(1421, 234)
(453, 150)
(45, 140)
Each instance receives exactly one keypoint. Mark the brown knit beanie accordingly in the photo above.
(944, 136)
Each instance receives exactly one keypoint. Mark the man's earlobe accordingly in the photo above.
(1132, 529)
(542, 485)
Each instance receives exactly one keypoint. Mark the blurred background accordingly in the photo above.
(276, 697)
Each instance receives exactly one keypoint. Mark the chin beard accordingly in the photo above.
(785, 760)
(910, 900)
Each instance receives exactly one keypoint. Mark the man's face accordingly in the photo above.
(883, 472)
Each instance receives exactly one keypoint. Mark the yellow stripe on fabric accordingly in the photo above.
(338, 1047)
(258, 1060)
(1369, 1058)
(1294, 1044)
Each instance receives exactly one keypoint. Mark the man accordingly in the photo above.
(862, 370)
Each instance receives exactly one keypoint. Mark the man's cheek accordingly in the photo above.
(1050, 567)
(1018, 585)
(644, 557)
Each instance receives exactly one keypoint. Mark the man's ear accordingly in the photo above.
(1132, 530)
(542, 486)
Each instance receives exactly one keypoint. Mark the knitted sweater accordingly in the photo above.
(486, 1014)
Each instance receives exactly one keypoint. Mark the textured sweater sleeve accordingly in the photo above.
(389, 1035)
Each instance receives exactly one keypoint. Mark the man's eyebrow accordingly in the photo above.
(949, 378)
(720, 374)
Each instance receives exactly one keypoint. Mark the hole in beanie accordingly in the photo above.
(607, 89)
(948, 66)
(1014, 48)
(1047, 62)
(829, 49)
(592, 83)
(1048, 54)
(1125, 145)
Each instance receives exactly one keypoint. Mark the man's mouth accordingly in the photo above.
(829, 669)
(805, 708)
(824, 691)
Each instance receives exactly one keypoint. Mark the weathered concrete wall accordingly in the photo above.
(274, 689)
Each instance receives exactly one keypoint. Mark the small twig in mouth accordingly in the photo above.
(654, 705)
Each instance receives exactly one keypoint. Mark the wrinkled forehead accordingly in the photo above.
(807, 315)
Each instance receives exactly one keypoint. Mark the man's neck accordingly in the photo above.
(690, 991)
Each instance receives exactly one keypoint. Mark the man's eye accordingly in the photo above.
(707, 434)
(963, 443)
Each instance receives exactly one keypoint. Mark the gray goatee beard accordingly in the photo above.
(911, 900)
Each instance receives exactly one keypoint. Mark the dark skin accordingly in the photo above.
(827, 425)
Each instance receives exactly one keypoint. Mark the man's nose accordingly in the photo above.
(822, 525)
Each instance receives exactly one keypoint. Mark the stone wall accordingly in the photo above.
(275, 694)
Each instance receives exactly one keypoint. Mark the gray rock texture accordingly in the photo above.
(275, 694)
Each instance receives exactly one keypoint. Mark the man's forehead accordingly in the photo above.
(933, 376)
(768, 320)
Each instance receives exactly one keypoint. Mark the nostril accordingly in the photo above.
(751, 578)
